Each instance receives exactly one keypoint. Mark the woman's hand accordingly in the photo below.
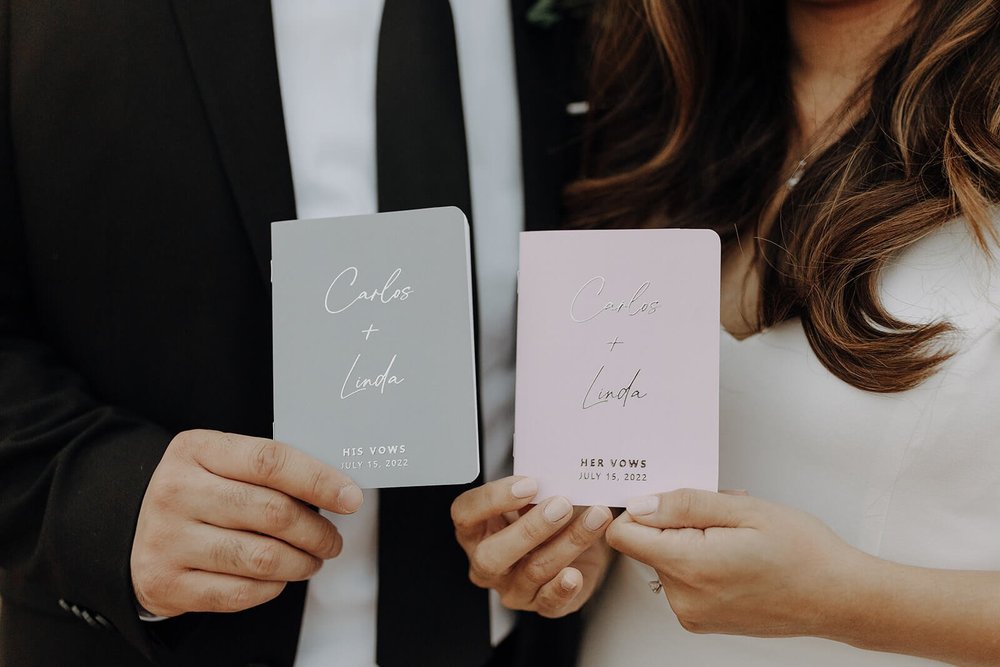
(547, 559)
(739, 565)
(734, 564)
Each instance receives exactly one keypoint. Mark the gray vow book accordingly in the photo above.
(374, 368)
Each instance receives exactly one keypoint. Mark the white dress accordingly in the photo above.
(911, 477)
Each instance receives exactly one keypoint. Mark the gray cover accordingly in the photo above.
(421, 418)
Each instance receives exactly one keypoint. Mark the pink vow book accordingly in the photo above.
(618, 363)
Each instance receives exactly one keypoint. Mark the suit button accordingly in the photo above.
(64, 605)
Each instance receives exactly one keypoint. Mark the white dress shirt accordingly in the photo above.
(326, 64)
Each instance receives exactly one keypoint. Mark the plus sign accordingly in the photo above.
(614, 342)
(369, 331)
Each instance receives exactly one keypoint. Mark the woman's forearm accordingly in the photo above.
(947, 615)
(745, 566)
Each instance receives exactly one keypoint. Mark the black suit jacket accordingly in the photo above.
(142, 158)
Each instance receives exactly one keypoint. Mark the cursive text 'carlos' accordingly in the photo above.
(337, 301)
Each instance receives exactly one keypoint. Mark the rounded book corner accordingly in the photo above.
(472, 474)
(458, 214)
(716, 238)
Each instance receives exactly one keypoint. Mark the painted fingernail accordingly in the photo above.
(596, 517)
(642, 505)
(524, 488)
(350, 498)
(568, 583)
(557, 508)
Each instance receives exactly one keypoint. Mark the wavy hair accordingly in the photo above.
(690, 125)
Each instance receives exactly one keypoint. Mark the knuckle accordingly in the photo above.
(156, 542)
(530, 530)
(497, 495)
(154, 591)
(228, 553)
(143, 558)
(212, 600)
(166, 492)
(185, 442)
(511, 601)
(234, 495)
(537, 571)
(313, 566)
(550, 608)
(265, 560)
(142, 596)
(485, 563)
(459, 515)
(478, 579)
(458, 506)
(270, 590)
(463, 540)
(267, 460)
(145, 592)
(580, 537)
(241, 597)
(279, 514)
(465, 526)
(321, 486)
(246, 595)
(329, 542)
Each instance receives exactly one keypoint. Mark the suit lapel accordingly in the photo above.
(230, 45)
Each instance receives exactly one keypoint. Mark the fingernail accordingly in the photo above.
(351, 497)
(557, 508)
(642, 505)
(568, 583)
(596, 517)
(524, 488)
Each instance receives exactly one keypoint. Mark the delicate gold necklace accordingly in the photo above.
(820, 141)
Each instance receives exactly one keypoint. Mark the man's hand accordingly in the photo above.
(547, 559)
(224, 526)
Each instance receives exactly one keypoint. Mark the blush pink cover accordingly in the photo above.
(617, 390)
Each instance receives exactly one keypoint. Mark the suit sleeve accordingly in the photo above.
(73, 471)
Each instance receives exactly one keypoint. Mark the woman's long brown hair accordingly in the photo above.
(690, 126)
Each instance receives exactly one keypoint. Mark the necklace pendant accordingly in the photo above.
(796, 176)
